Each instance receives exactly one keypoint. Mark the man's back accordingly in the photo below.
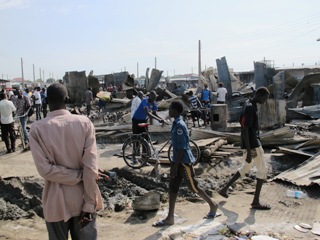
(222, 92)
(6, 109)
(193, 101)
(66, 141)
(64, 136)
(88, 96)
(134, 105)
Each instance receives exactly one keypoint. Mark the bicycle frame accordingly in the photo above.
(154, 152)
(132, 150)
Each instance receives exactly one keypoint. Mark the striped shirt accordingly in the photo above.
(193, 101)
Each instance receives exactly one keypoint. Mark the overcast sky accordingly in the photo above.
(109, 36)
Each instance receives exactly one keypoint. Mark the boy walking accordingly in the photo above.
(182, 167)
(253, 150)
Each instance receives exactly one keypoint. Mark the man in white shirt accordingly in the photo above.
(222, 94)
(136, 102)
(37, 102)
(7, 123)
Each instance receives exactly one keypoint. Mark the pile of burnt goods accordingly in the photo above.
(129, 189)
(20, 197)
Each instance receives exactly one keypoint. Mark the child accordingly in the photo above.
(182, 167)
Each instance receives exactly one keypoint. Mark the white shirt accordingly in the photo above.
(134, 105)
(38, 97)
(6, 109)
(222, 92)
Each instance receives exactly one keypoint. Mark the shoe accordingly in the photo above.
(212, 215)
(13, 150)
(8, 151)
(161, 223)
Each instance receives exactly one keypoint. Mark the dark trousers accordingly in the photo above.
(7, 132)
(185, 171)
(135, 127)
(137, 130)
(44, 109)
(88, 109)
(38, 109)
(60, 230)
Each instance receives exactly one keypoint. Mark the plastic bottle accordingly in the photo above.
(296, 194)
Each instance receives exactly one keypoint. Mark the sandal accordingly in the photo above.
(161, 223)
(212, 215)
(260, 206)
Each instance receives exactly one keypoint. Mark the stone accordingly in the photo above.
(149, 201)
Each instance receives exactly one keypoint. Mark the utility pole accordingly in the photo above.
(199, 64)
(137, 70)
(34, 76)
(155, 62)
(43, 75)
(22, 76)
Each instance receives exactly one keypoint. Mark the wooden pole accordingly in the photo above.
(137, 70)
(22, 76)
(199, 64)
(34, 76)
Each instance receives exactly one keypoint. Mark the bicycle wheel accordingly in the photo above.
(135, 152)
(194, 149)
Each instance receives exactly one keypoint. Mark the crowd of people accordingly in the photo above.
(200, 107)
(68, 161)
(20, 104)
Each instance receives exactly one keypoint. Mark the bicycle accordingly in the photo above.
(138, 149)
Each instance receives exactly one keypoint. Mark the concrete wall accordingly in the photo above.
(272, 113)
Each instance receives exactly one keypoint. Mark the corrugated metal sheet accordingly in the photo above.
(305, 174)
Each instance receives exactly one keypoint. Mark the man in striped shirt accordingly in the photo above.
(194, 108)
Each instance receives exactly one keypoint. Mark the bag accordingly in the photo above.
(31, 111)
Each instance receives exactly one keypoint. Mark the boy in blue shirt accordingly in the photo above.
(206, 103)
(182, 167)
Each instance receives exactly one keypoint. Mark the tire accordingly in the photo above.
(133, 157)
(194, 149)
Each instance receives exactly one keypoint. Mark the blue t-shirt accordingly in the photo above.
(180, 140)
(205, 95)
(140, 114)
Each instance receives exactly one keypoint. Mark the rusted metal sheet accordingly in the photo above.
(311, 111)
(306, 174)
(304, 90)
(154, 79)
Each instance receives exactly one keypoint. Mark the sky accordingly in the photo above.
(112, 36)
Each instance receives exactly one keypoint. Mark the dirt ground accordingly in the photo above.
(279, 222)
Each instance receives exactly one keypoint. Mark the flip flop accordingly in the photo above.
(212, 215)
(223, 194)
(161, 223)
(260, 206)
